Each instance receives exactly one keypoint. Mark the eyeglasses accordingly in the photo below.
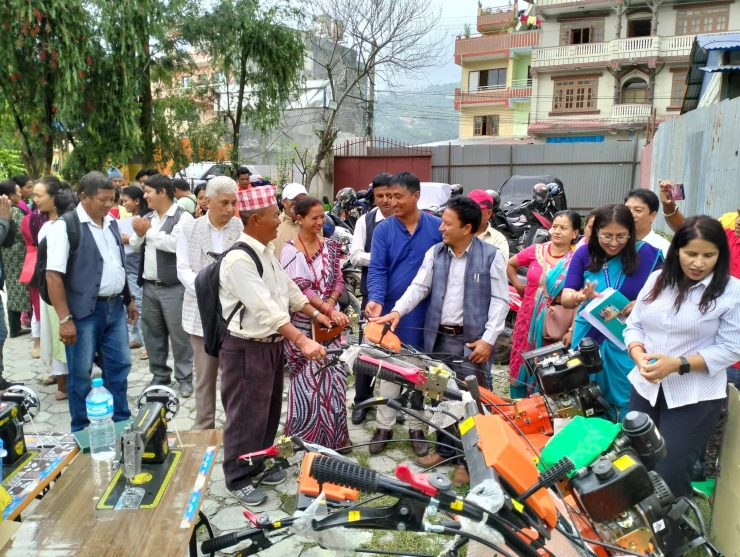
(619, 238)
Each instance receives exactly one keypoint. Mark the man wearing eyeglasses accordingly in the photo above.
(644, 205)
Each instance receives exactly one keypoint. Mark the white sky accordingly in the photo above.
(455, 14)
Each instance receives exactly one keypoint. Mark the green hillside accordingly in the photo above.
(417, 116)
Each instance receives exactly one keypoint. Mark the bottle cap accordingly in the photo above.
(97, 382)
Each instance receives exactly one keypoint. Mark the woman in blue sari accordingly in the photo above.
(612, 259)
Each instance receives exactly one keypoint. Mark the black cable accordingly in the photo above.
(601, 544)
(437, 443)
(482, 541)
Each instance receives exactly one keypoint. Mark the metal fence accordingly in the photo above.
(701, 149)
(594, 174)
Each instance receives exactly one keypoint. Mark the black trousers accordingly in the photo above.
(252, 396)
(686, 430)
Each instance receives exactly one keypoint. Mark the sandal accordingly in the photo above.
(48, 380)
(59, 395)
(36, 353)
(144, 355)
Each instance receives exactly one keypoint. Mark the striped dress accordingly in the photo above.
(317, 409)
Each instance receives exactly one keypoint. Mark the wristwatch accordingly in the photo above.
(685, 366)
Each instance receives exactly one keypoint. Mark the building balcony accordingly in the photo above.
(519, 91)
(631, 113)
(648, 50)
(553, 7)
(622, 117)
(490, 47)
(492, 20)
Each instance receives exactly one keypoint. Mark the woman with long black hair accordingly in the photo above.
(613, 258)
(682, 335)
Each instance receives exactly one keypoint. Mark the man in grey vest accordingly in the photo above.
(465, 281)
(211, 234)
(359, 255)
(161, 306)
(88, 289)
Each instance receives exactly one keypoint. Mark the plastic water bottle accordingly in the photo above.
(99, 404)
(3, 454)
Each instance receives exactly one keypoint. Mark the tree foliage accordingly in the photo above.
(258, 62)
(45, 48)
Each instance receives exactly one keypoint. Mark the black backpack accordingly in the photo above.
(73, 235)
(209, 303)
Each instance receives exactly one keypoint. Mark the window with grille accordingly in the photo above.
(692, 20)
(582, 32)
(485, 125)
(575, 95)
(678, 88)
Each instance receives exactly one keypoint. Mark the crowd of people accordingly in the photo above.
(120, 271)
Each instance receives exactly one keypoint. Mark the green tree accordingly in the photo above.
(258, 61)
(45, 51)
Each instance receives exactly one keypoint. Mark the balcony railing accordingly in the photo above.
(521, 89)
(562, 3)
(631, 113)
(487, 45)
(594, 54)
(494, 19)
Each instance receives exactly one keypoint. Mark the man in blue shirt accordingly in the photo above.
(397, 252)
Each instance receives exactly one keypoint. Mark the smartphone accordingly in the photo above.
(677, 192)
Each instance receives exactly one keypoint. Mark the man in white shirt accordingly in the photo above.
(161, 306)
(359, 255)
(457, 275)
(252, 358)
(644, 205)
(486, 233)
(88, 289)
(200, 239)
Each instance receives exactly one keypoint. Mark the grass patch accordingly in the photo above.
(412, 542)
(363, 458)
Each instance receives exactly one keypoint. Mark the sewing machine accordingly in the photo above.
(146, 460)
(18, 405)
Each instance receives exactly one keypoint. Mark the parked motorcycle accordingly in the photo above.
(530, 222)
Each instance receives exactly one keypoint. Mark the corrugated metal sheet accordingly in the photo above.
(701, 149)
(719, 41)
(594, 174)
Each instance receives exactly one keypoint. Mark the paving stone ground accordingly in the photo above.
(224, 512)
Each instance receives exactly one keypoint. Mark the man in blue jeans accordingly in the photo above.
(89, 292)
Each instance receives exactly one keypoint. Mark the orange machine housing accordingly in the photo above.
(504, 451)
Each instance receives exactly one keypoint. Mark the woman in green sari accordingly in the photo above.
(19, 299)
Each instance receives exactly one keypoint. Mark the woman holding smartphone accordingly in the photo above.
(682, 334)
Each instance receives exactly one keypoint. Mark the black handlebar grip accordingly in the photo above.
(366, 368)
(329, 470)
(227, 540)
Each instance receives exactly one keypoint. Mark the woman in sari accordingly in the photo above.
(317, 410)
(547, 266)
(14, 256)
(611, 259)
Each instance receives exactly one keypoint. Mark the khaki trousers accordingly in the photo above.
(205, 369)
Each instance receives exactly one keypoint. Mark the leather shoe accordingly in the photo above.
(400, 417)
(186, 389)
(358, 415)
(380, 440)
(460, 476)
(419, 442)
(429, 460)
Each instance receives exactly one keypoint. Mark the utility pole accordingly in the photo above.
(371, 92)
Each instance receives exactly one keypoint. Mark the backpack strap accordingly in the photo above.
(72, 221)
(253, 254)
